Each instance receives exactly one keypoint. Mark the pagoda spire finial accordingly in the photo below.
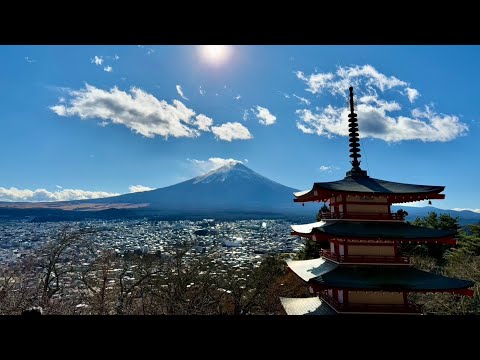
(354, 141)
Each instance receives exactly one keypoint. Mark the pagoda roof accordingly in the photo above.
(306, 306)
(310, 269)
(365, 277)
(371, 230)
(365, 185)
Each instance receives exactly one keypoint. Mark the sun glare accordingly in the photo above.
(215, 54)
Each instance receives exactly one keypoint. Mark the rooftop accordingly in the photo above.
(387, 278)
(367, 186)
(371, 230)
(306, 306)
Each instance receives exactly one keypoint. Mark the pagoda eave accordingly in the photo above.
(466, 291)
(316, 196)
(321, 237)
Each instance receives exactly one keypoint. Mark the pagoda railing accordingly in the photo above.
(368, 216)
(365, 258)
(380, 308)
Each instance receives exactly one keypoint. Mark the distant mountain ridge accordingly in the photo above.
(465, 216)
(231, 189)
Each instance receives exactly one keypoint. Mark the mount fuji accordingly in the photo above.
(232, 187)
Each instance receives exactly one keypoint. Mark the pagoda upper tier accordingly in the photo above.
(364, 185)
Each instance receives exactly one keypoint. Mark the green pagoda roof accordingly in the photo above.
(367, 185)
(371, 229)
(366, 277)
(388, 277)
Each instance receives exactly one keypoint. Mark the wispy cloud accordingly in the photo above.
(378, 118)
(141, 112)
(108, 69)
(302, 99)
(201, 91)
(238, 97)
(97, 60)
(139, 188)
(204, 166)
(231, 131)
(265, 117)
(29, 60)
(180, 92)
(326, 168)
(245, 115)
(14, 194)
(412, 94)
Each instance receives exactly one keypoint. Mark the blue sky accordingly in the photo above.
(88, 121)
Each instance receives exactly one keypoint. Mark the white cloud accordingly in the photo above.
(139, 111)
(316, 82)
(238, 97)
(231, 131)
(326, 168)
(180, 92)
(14, 194)
(139, 188)
(245, 115)
(204, 166)
(203, 122)
(344, 77)
(59, 187)
(412, 94)
(116, 57)
(97, 60)
(108, 69)
(376, 122)
(265, 117)
(468, 209)
(29, 60)
(304, 129)
(378, 118)
(150, 51)
(201, 91)
(302, 99)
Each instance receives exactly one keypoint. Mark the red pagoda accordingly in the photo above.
(360, 270)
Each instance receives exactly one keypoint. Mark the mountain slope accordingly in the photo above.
(229, 188)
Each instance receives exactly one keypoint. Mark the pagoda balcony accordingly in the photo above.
(409, 308)
(361, 216)
(365, 259)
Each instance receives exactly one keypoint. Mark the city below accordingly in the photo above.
(236, 242)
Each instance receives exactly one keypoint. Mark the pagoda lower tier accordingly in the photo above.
(352, 289)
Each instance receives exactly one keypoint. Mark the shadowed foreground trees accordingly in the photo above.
(461, 261)
(70, 275)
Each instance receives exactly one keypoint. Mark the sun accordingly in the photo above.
(215, 54)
